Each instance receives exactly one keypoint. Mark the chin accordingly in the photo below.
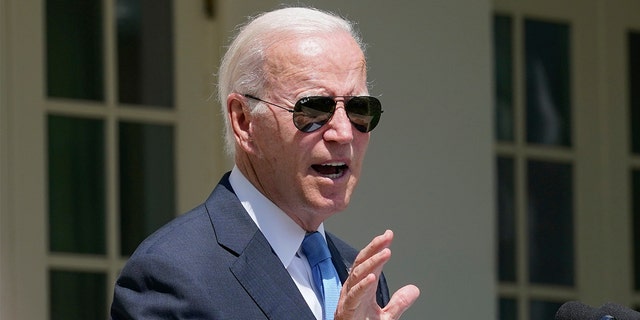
(336, 205)
(326, 205)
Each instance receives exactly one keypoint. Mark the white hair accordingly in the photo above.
(241, 69)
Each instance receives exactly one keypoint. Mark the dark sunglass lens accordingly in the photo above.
(364, 112)
(311, 113)
(319, 104)
(364, 106)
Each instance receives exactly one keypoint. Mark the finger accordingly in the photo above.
(401, 301)
(358, 293)
(373, 265)
(376, 245)
(370, 259)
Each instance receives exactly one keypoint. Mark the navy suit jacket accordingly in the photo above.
(214, 263)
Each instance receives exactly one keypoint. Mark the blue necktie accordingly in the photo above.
(325, 276)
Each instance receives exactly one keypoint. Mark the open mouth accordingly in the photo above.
(331, 170)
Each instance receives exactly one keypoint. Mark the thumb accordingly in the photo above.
(401, 301)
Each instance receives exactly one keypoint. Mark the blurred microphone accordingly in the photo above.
(575, 310)
(620, 312)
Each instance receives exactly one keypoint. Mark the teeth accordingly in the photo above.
(332, 170)
(335, 164)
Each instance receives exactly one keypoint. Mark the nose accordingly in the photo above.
(339, 127)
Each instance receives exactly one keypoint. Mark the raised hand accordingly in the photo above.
(358, 295)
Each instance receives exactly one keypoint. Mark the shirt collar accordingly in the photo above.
(284, 235)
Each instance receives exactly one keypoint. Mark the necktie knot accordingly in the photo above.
(315, 248)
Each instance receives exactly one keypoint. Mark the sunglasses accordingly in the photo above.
(311, 113)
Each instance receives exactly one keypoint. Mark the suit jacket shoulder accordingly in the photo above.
(211, 263)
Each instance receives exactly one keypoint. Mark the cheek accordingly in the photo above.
(280, 151)
(360, 146)
(265, 135)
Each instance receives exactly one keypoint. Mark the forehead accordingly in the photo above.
(318, 60)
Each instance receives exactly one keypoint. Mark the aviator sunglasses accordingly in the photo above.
(311, 113)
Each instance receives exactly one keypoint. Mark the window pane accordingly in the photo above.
(508, 309)
(550, 223)
(76, 185)
(543, 310)
(634, 89)
(145, 52)
(548, 89)
(635, 196)
(147, 196)
(506, 220)
(74, 49)
(77, 295)
(503, 73)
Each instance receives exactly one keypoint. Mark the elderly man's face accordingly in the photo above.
(310, 175)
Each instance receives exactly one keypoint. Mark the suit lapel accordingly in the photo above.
(341, 264)
(257, 268)
(260, 272)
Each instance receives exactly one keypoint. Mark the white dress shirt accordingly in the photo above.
(283, 234)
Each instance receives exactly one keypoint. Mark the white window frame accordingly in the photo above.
(24, 257)
(599, 155)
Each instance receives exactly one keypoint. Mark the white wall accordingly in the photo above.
(429, 171)
(22, 184)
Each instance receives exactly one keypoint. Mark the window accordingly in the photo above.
(111, 143)
(567, 154)
(535, 164)
(122, 138)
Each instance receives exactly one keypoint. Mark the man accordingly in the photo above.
(294, 92)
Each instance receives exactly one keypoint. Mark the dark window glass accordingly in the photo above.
(506, 220)
(548, 87)
(543, 310)
(76, 185)
(503, 74)
(147, 187)
(635, 204)
(74, 49)
(508, 309)
(634, 89)
(77, 295)
(550, 223)
(145, 52)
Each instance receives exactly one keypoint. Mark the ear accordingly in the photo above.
(240, 120)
